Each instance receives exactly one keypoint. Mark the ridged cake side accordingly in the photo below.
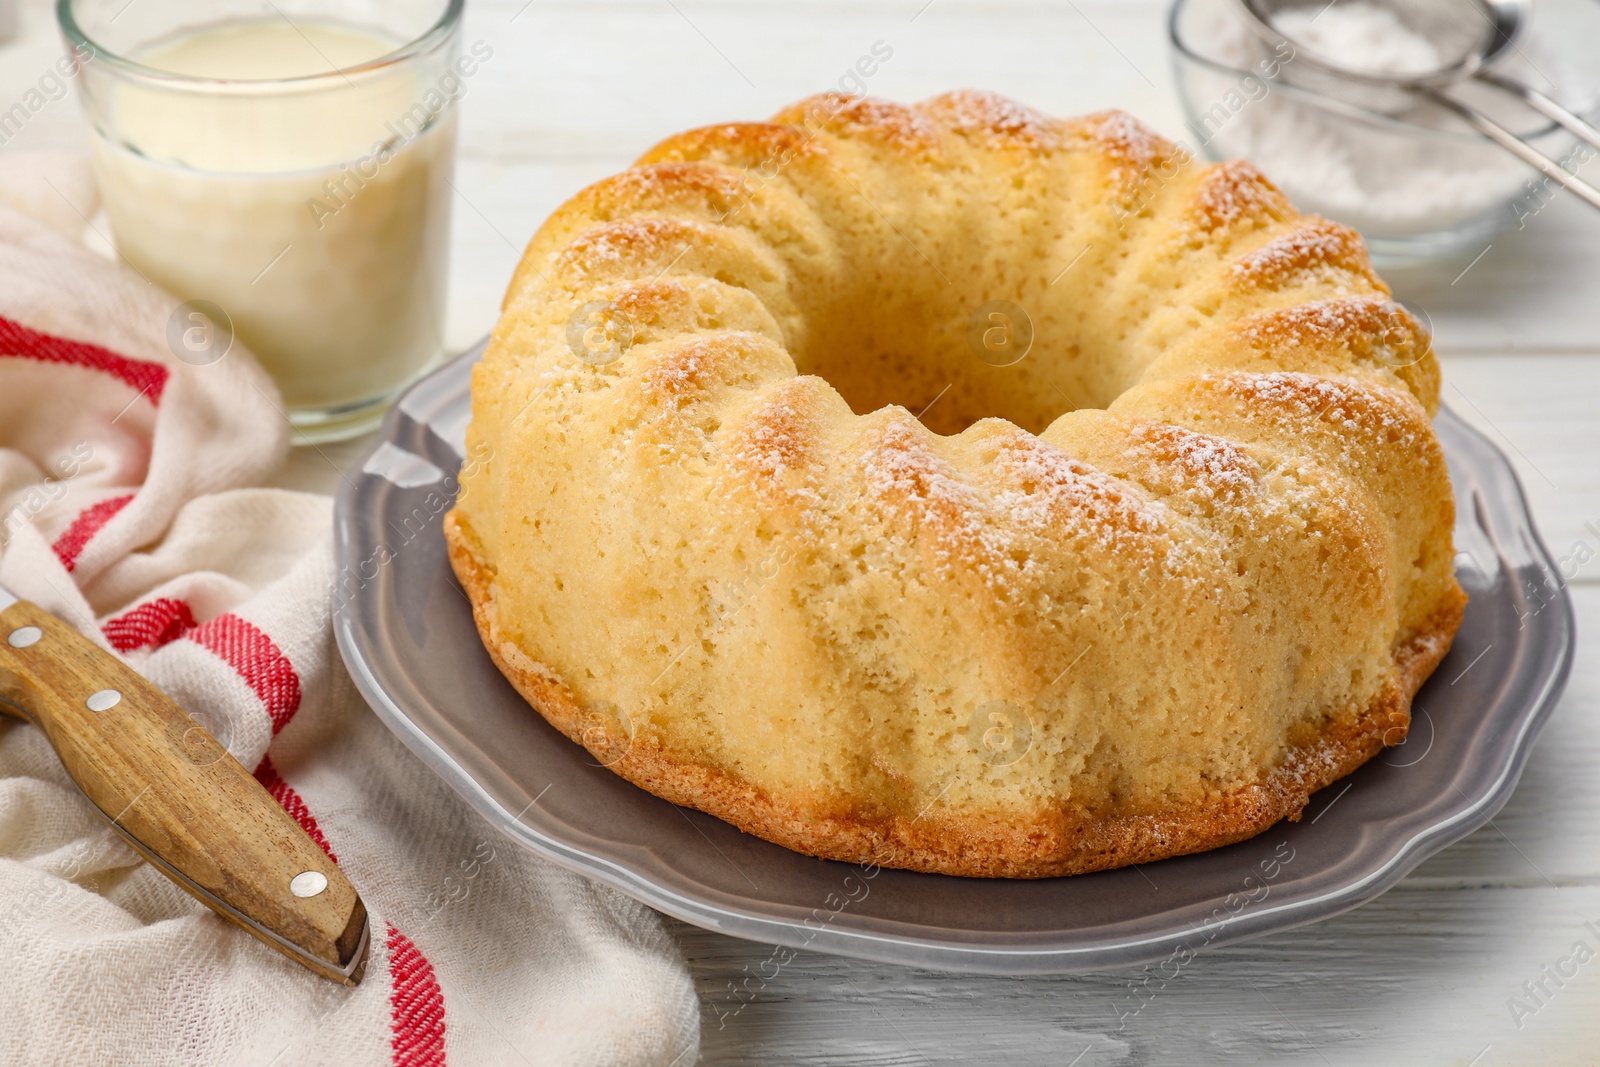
(1197, 575)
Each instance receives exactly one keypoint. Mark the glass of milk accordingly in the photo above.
(283, 168)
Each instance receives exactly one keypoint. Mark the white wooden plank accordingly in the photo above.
(27, 64)
(596, 78)
(1540, 410)
(1416, 976)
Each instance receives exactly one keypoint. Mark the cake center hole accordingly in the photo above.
(953, 359)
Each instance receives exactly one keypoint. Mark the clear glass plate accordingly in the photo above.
(405, 629)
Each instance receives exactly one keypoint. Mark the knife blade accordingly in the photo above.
(177, 796)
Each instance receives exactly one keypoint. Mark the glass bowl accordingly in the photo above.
(1420, 186)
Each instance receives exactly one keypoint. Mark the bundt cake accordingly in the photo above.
(955, 488)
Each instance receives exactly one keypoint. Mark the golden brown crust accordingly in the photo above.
(1310, 244)
(1050, 844)
(1236, 196)
(1246, 440)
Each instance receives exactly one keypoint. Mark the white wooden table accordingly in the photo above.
(576, 88)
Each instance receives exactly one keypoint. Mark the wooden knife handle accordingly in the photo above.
(178, 796)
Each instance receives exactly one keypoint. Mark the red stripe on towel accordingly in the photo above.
(150, 625)
(19, 341)
(417, 1004)
(90, 521)
(259, 662)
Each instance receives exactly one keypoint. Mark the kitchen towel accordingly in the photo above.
(127, 459)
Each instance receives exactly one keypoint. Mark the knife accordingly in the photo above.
(177, 796)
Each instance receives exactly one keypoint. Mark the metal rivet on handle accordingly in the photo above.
(308, 883)
(104, 700)
(23, 636)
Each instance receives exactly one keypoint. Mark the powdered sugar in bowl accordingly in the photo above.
(1416, 182)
